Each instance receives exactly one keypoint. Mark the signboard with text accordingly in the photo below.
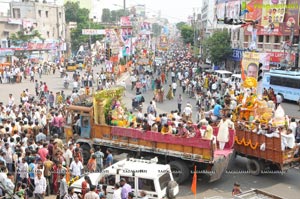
(93, 31)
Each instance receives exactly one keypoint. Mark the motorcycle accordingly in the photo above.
(66, 84)
(137, 102)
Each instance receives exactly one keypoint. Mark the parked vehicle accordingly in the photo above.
(224, 75)
(142, 175)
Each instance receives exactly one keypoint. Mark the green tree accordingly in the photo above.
(80, 15)
(106, 15)
(20, 38)
(217, 47)
(156, 29)
(187, 34)
(180, 25)
(71, 11)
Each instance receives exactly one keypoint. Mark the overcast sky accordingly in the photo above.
(174, 10)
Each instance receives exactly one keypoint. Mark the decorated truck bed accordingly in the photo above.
(265, 153)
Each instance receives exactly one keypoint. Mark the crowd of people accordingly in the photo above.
(34, 155)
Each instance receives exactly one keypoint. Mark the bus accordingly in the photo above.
(286, 83)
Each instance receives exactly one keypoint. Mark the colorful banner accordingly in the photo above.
(250, 64)
(237, 54)
(6, 52)
(125, 21)
(233, 9)
(220, 9)
(126, 33)
(272, 15)
(277, 57)
(264, 59)
(145, 26)
(291, 17)
(256, 13)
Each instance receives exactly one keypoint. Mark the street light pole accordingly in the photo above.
(124, 4)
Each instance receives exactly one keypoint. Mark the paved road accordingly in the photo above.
(285, 185)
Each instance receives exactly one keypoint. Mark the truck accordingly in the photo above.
(182, 154)
(142, 175)
(264, 153)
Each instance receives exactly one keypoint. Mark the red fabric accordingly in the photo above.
(230, 143)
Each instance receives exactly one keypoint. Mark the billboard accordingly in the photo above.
(291, 17)
(125, 21)
(249, 66)
(233, 9)
(272, 13)
(251, 62)
(220, 9)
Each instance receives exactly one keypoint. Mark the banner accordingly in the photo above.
(125, 21)
(264, 59)
(93, 32)
(233, 9)
(257, 10)
(28, 26)
(145, 26)
(291, 17)
(126, 33)
(277, 57)
(272, 15)
(220, 9)
(250, 64)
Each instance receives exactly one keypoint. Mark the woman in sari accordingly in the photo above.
(170, 93)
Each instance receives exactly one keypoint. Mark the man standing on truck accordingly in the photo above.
(126, 188)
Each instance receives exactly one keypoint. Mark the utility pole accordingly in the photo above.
(124, 4)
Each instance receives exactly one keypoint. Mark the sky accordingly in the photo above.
(173, 10)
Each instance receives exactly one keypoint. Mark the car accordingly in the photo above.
(142, 175)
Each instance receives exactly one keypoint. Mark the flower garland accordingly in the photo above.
(243, 142)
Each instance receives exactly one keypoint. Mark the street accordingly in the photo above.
(285, 185)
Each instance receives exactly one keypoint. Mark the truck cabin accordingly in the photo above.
(79, 121)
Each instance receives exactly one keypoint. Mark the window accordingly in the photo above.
(85, 121)
(46, 14)
(267, 39)
(146, 184)
(238, 35)
(59, 14)
(246, 38)
(284, 81)
(40, 13)
(16, 13)
(277, 39)
(48, 34)
(164, 180)
(260, 38)
(129, 180)
(109, 180)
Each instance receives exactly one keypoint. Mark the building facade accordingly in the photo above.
(48, 19)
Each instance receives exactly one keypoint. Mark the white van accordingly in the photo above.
(142, 175)
(224, 75)
(235, 78)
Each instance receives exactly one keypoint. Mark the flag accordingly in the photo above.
(194, 183)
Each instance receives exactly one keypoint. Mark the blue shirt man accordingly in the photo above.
(217, 110)
(109, 158)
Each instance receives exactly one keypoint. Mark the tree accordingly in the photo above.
(81, 16)
(106, 15)
(156, 29)
(187, 33)
(180, 25)
(20, 38)
(218, 46)
(71, 11)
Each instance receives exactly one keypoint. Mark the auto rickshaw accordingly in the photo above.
(71, 66)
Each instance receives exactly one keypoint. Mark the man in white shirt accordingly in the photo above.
(76, 167)
(289, 139)
(174, 87)
(91, 194)
(188, 112)
(40, 185)
(9, 185)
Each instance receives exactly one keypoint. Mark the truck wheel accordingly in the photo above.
(254, 167)
(86, 152)
(180, 171)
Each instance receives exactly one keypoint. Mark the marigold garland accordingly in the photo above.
(243, 141)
